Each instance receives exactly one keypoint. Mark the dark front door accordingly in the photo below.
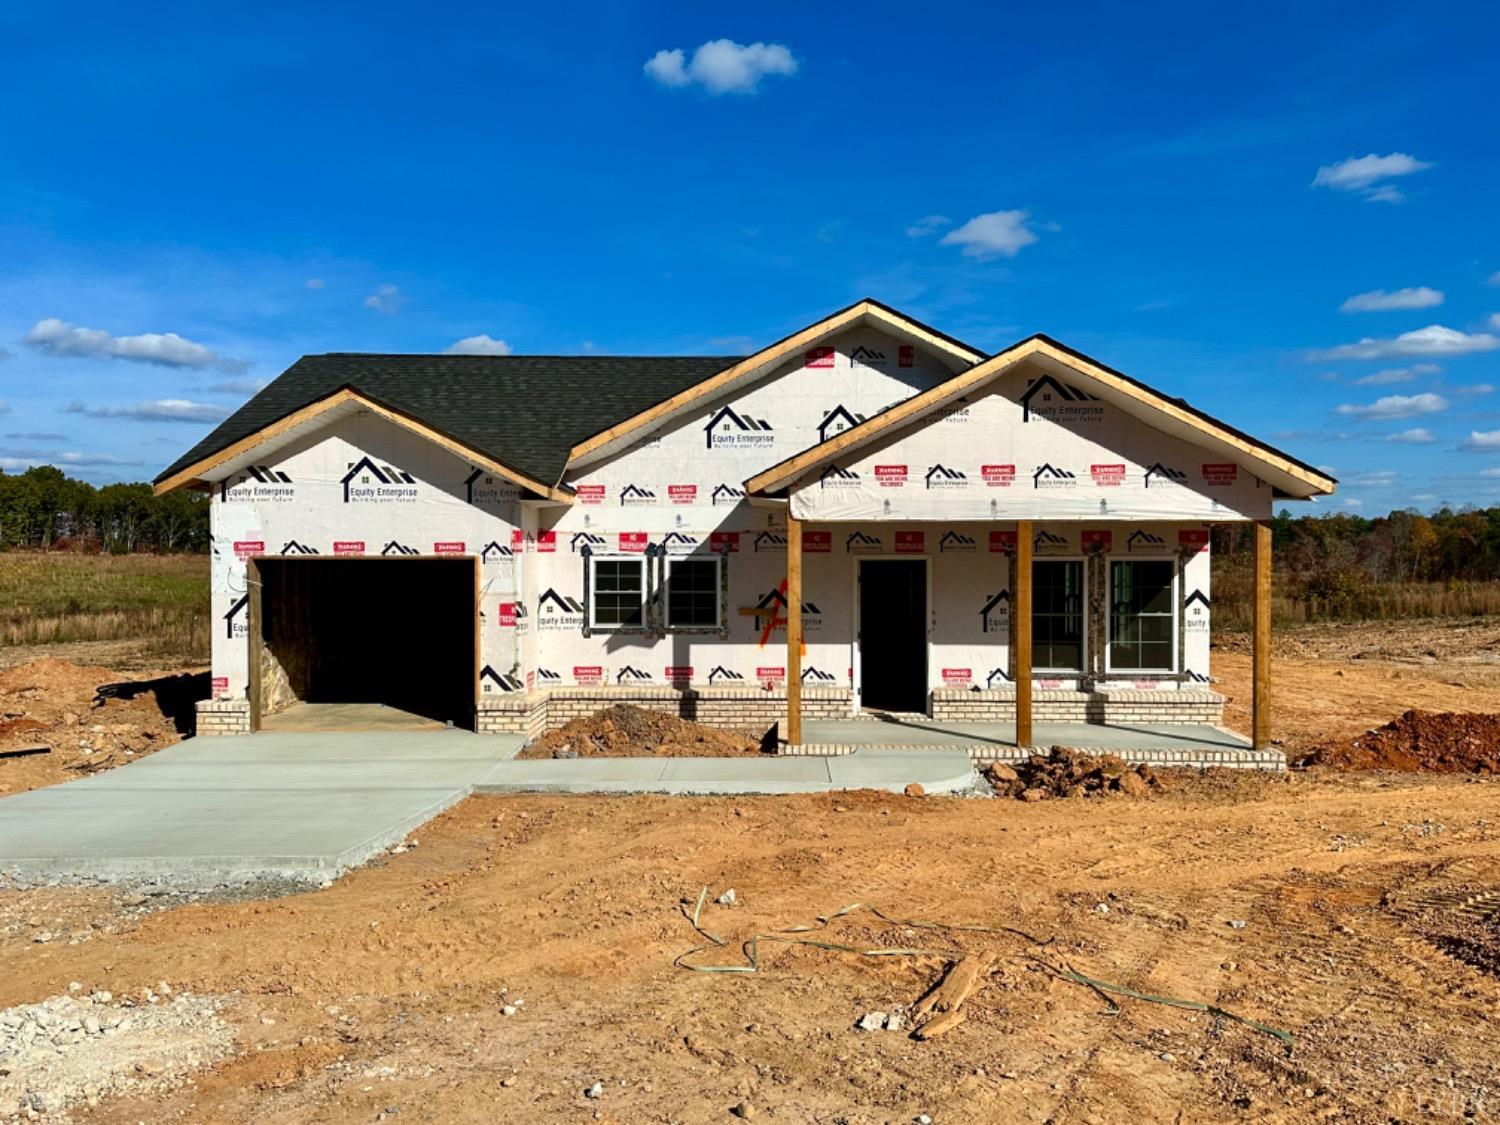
(893, 634)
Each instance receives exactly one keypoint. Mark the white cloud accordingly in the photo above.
(1396, 406)
(55, 337)
(1415, 436)
(668, 68)
(995, 234)
(742, 344)
(478, 345)
(1481, 440)
(1378, 300)
(1375, 478)
(1389, 375)
(1351, 502)
(25, 458)
(4, 407)
(1434, 340)
(1366, 175)
(386, 299)
(1493, 472)
(1495, 321)
(1495, 278)
(314, 283)
(240, 386)
(158, 410)
(928, 225)
(722, 66)
(1474, 389)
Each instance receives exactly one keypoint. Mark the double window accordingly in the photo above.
(1142, 626)
(637, 593)
(1142, 615)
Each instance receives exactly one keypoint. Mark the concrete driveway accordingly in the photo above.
(307, 806)
(302, 807)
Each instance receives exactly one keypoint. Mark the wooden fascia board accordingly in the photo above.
(779, 475)
(250, 441)
(193, 473)
(770, 356)
(1320, 483)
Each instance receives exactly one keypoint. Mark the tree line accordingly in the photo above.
(1342, 566)
(45, 509)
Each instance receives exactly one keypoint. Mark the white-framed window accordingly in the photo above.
(692, 597)
(1057, 615)
(617, 592)
(1142, 615)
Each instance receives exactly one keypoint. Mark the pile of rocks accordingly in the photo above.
(1063, 772)
(78, 1050)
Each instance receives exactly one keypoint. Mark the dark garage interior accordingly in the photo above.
(398, 633)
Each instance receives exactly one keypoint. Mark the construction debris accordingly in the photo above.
(1419, 742)
(1064, 772)
(942, 1009)
(624, 731)
(942, 1006)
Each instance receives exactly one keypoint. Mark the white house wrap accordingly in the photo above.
(643, 554)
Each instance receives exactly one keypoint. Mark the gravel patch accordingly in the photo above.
(76, 1050)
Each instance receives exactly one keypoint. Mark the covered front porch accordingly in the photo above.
(1033, 634)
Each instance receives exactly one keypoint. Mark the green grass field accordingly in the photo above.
(161, 600)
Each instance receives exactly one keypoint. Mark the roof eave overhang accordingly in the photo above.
(753, 367)
(1282, 472)
(198, 473)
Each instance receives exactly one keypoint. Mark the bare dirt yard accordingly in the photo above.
(60, 720)
(521, 963)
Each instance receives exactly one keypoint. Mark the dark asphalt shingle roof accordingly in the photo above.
(525, 411)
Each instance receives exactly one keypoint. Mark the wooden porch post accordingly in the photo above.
(793, 629)
(1021, 606)
(255, 641)
(1260, 695)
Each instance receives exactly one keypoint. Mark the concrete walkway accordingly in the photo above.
(305, 807)
(937, 770)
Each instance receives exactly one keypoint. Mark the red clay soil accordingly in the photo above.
(624, 731)
(81, 719)
(1420, 742)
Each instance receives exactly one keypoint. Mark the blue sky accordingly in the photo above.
(1288, 218)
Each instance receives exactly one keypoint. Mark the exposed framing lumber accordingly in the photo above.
(1260, 644)
(776, 353)
(780, 475)
(793, 630)
(193, 474)
(1021, 607)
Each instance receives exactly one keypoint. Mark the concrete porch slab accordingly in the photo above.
(935, 732)
(1162, 744)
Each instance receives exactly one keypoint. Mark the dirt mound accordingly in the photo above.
(1063, 772)
(1419, 742)
(59, 680)
(87, 719)
(624, 731)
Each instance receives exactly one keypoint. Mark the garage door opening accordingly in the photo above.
(361, 643)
